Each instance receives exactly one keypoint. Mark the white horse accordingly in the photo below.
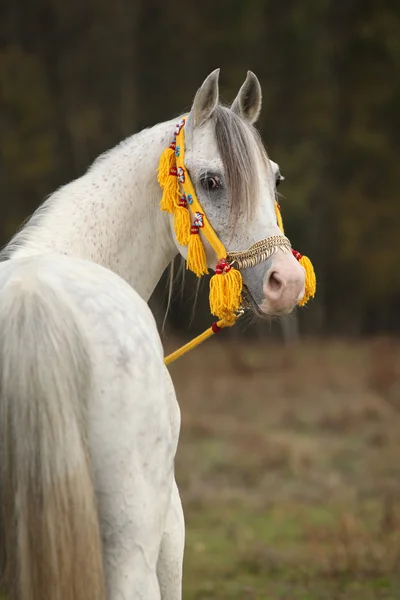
(88, 415)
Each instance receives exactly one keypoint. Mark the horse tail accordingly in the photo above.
(50, 536)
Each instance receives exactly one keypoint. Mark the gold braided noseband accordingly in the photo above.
(259, 252)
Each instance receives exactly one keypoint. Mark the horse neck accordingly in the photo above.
(111, 214)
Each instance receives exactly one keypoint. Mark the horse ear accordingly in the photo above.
(206, 100)
(247, 103)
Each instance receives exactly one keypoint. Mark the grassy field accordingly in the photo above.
(289, 470)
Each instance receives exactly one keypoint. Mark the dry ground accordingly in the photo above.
(289, 470)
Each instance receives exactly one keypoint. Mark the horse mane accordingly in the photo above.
(22, 235)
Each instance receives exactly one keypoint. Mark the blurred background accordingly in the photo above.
(289, 463)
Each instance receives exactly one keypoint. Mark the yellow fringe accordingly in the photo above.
(195, 206)
(311, 282)
(167, 161)
(182, 225)
(196, 259)
(199, 339)
(170, 195)
(225, 293)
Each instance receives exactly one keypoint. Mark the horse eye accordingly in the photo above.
(210, 183)
(277, 182)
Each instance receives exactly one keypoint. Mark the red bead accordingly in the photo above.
(215, 327)
(297, 255)
(222, 267)
(194, 229)
(182, 202)
(173, 171)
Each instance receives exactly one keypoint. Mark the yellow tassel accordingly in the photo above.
(217, 294)
(182, 225)
(167, 161)
(279, 217)
(311, 282)
(196, 259)
(234, 285)
(225, 292)
(170, 194)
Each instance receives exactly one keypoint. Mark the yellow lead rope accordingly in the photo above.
(215, 328)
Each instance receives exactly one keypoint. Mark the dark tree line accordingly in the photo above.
(76, 78)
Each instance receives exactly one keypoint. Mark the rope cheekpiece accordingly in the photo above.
(310, 286)
(179, 199)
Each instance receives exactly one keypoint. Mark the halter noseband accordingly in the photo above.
(259, 252)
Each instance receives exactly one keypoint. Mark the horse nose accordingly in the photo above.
(284, 284)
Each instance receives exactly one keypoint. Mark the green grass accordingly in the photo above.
(286, 551)
(289, 471)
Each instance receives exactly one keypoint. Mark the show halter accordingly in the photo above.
(179, 199)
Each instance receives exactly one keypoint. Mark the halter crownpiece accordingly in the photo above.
(179, 198)
(310, 285)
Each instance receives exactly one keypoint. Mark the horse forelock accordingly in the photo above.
(241, 151)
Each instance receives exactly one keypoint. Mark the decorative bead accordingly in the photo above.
(181, 175)
(215, 327)
(194, 229)
(198, 219)
(222, 267)
(297, 255)
(177, 151)
(179, 127)
(173, 171)
(189, 199)
(182, 201)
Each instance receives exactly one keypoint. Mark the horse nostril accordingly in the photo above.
(274, 282)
